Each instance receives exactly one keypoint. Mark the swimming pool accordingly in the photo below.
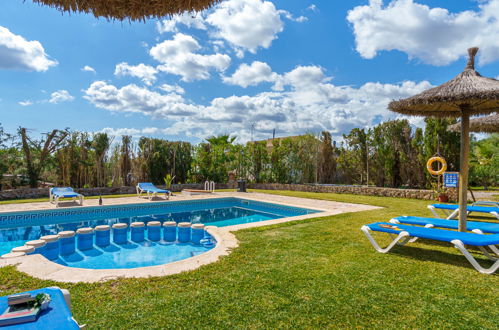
(19, 227)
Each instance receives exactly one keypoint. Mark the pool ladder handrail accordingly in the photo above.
(209, 185)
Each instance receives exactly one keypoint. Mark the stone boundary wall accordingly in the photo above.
(356, 190)
(25, 193)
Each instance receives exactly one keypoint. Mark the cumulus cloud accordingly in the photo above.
(248, 24)
(135, 132)
(88, 68)
(179, 56)
(144, 72)
(251, 75)
(60, 96)
(172, 88)
(433, 35)
(306, 101)
(16, 53)
(187, 19)
(132, 98)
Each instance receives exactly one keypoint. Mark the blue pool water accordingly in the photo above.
(132, 255)
(20, 227)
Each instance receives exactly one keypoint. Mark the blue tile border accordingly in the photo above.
(44, 217)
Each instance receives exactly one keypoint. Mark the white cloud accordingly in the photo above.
(25, 103)
(307, 101)
(313, 8)
(17, 53)
(433, 35)
(135, 132)
(179, 57)
(290, 16)
(248, 24)
(172, 89)
(187, 19)
(251, 75)
(144, 72)
(132, 98)
(88, 68)
(60, 96)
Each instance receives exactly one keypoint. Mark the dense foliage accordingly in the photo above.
(391, 154)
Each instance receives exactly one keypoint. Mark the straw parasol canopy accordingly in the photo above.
(467, 94)
(485, 124)
(133, 10)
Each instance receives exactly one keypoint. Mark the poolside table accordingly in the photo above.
(56, 316)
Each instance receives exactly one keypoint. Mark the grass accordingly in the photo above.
(316, 273)
(46, 199)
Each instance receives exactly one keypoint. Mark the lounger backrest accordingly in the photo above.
(61, 190)
(146, 185)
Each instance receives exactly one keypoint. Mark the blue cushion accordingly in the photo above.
(486, 227)
(438, 234)
(57, 316)
(470, 208)
(148, 186)
(64, 192)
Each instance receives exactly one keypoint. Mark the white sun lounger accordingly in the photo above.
(63, 192)
(452, 210)
(406, 233)
(151, 190)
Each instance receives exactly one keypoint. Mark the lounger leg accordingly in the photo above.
(453, 214)
(492, 247)
(495, 214)
(458, 244)
(412, 239)
(367, 231)
(433, 210)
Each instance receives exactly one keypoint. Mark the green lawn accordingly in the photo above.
(317, 273)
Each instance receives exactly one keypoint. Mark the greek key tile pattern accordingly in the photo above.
(44, 217)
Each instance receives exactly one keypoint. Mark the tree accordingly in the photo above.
(100, 145)
(327, 161)
(485, 162)
(126, 159)
(36, 152)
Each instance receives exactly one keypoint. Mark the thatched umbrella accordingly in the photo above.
(485, 124)
(467, 94)
(134, 10)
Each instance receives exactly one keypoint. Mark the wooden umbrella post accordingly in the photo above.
(463, 173)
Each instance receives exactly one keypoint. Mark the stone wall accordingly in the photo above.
(356, 190)
(25, 193)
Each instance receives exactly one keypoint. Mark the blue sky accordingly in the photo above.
(296, 66)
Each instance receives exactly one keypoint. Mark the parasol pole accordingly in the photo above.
(463, 172)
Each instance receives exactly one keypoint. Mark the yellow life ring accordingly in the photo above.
(429, 165)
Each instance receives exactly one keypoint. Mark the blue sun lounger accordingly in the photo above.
(405, 233)
(151, 190)
(63, 192)
(474, 226)
(452, 210)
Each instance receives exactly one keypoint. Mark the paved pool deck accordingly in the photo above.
(39, 267)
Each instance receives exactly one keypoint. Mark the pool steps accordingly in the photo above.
(66, 242)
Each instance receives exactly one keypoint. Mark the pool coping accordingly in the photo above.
(40, 267)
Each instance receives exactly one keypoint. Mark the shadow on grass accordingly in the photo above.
(423, 254)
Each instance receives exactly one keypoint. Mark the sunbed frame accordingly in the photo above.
(403, 237)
